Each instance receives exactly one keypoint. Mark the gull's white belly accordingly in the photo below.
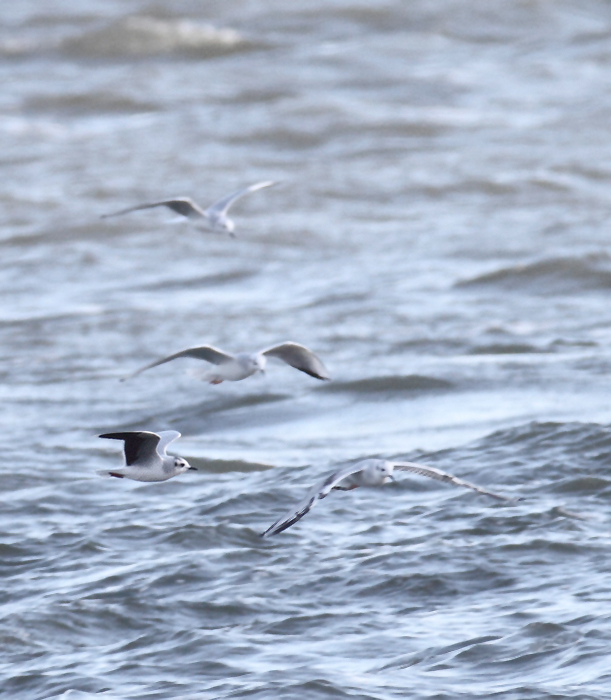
(156, 473)
(233, 372)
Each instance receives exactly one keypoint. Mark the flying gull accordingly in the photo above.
(368, 472)
(146, 458)
(214, 218)
(233, 368)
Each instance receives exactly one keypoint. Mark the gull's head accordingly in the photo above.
(181, 465)
(259, 362)
(384, 471)
(219, 223)
(225, 225)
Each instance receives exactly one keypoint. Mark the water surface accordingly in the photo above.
(439, 236)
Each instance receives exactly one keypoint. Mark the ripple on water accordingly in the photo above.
(548, 277)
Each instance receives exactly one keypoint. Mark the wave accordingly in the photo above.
(551, 276)
(222, 466)
(212, 280)
(212, 413)
(16, 47)
(398, 383)
(144, 36)
(575, 437)
(505, 349)
(85, 103)
(544, 460)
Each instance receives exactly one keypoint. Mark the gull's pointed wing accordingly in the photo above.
(223, 204)
(205, 352)
(315, 494)
(138, 446)
(299, 357)
(183, 206)
(166, 437)
(437, 474)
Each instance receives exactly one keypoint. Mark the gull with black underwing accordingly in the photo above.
(368, 472)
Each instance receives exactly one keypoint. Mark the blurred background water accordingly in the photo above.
(439, 236)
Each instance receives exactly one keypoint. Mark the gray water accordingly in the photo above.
(439, 236)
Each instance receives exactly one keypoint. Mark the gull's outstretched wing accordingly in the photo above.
(222, 205)
(167, 436)
(183, 206)
(437, 474)
(138, 446)
(315, 494)
(299, 357)
(205, 352)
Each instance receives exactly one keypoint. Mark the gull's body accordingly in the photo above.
(369, 472)
(214, 217)
(233, 368)
(146, 458)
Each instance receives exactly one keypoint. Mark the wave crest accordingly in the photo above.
(150, 36)
(550, 276)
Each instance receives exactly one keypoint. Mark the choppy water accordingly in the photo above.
(439, 237)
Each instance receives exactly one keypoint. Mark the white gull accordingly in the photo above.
(214, 217)
(368, 472)
(146, 458)
(233, 368)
